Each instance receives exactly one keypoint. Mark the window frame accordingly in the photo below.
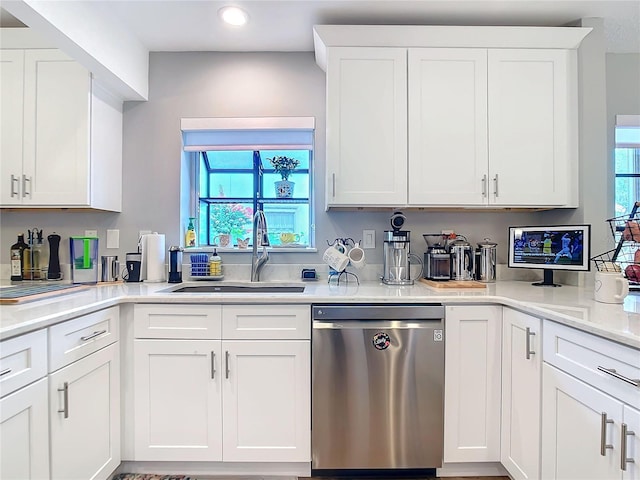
(271, 133)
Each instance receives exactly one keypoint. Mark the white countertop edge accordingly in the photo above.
(450, 297)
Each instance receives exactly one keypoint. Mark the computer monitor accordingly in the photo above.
(562, 247)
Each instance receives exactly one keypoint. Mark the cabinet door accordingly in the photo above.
(84, 412)
(631, 418)
(57, 102)
(267, 405)
(521, 383)
(573, 431)
(178, 400)
(11, 98)
(24, 434)
(366, 126)
(532, 127)
(447, 126)
(472, 384)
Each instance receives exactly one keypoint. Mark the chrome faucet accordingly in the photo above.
(259, 234)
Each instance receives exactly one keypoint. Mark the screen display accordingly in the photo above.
(559, 247)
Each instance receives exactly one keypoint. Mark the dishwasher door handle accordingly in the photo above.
(378, 324)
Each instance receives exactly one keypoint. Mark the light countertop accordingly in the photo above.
(573, 306)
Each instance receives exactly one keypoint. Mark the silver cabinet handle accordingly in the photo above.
(26, 179)
(93, 335)
(603, 434)
(333, 183)
(495, 185)
(213, 364)
(612, 371)
(623, 447)
(65, 404)
(484, 185)
(528, 345)
(5, 372)
(14, 180)
(226, 363)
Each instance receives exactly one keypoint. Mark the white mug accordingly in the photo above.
(356, 257)
(335, 257)
(610, 287)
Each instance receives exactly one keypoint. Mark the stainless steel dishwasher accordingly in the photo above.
(377, 388)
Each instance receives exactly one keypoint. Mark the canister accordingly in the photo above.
(486, 261)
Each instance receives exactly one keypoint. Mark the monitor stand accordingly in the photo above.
(547, 280)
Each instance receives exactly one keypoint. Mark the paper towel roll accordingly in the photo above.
(153, 257)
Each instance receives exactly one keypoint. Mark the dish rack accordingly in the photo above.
(625, 257)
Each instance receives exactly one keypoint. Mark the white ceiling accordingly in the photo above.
(286, 25)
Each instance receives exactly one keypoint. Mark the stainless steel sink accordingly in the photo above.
(254, 287)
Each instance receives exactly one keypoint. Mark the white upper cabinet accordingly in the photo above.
(367, 133)
(61, 134)
(447, 126)
(533, 127)
(480, 117)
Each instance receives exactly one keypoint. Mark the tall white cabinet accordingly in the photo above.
(61, 134)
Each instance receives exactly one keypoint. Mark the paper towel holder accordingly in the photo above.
(153, 268)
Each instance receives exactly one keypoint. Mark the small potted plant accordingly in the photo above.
(284, 166)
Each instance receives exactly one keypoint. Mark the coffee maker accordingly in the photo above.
(437, 260)
(397, 267)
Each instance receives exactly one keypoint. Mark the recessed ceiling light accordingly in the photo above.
(233, 16)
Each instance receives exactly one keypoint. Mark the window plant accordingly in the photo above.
(284, 166)
(232, 219)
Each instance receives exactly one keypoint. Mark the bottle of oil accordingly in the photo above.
(19, 259)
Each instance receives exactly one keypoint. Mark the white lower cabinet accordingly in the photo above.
(237, 400)
(178, 401)
(84, 413)
(521, 382)
(590, 398)
(267, 403)
(574, 429)
(472, 383)
(24, 434)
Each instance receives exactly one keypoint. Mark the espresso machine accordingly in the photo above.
(396, 254)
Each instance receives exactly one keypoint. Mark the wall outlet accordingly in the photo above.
(91, 233)
(113, 238)
(368, 239)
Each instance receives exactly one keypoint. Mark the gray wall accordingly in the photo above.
(213, 84)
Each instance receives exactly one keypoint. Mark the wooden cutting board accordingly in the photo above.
(28, 293)
(453, 284)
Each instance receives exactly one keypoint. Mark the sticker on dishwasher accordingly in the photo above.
(437, 335)
(381, 340)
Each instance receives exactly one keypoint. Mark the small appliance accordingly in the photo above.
(133, 264)
(462, 259)
(437, 261)
(175, 264)
(110, 268)
(396, 254)
(486, 261)
(84, 259)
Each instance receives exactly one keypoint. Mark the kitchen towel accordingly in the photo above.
(153, 257)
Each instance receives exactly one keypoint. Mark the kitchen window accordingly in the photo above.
(233, 177)
(627, 163)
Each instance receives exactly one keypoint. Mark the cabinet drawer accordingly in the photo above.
(582, 354)
(281, 322)
(72, 340)
(177, 321)
(22, 360)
